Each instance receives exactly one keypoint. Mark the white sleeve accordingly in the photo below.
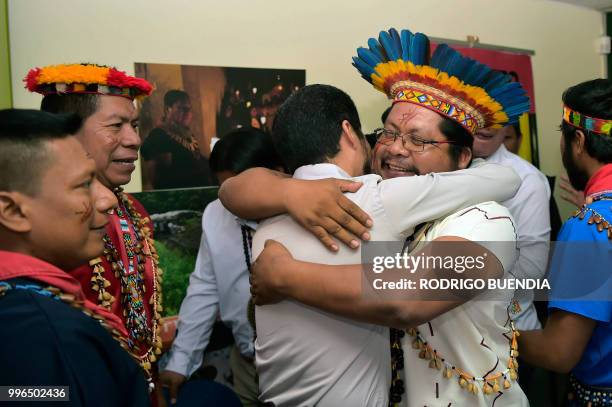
(409, 201)
(197, 315)
(532, 217)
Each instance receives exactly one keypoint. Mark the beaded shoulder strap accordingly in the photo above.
(595, 218)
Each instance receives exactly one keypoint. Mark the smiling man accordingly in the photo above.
(469, 346)
(53, 214)
(124, 280)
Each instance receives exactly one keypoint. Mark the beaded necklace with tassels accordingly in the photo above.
(490, 384)
(139, 245)
(595, 218)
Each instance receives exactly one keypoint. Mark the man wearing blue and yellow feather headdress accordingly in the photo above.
(464, 350)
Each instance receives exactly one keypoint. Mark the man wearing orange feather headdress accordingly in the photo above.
(125, 280)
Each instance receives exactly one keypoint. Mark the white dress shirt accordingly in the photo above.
(307, 357)
(219, 284)
(531, 212)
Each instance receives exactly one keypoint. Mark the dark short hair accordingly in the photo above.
(460, 137)
(308, 125)
(23, 154)
(242, 149)
(173, 96)
(591, 98)
(517, 129)
(385, 114)
(82, 104)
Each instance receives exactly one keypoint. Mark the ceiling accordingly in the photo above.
(593, 4)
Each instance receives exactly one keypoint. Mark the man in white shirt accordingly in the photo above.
(219, 285)
(530, 210)
(470, 344)
(307, 357)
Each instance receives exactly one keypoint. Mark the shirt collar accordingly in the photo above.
(600, 181)
(13, 264)
(319, 171)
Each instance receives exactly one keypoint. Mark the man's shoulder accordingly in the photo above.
(493, 219)
(218, 221)
(214, 210)
(368, 178)
(591, 222)
(30, 312)
(481, 211)
(526, 170)
(156, 135)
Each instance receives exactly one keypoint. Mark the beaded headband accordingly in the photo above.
(460, 88)
(86, 79)
(600, 126)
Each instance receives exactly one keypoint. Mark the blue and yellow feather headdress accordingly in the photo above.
(458, 87)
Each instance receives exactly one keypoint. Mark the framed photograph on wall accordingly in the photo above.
(193, 106)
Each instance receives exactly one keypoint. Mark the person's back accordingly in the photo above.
(309, 357)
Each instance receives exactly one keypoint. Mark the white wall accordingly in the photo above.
(317, 35)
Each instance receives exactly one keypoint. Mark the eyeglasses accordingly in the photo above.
(409, 142)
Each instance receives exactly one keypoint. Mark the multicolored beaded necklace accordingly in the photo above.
(136, 236)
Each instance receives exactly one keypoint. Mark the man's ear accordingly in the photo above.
(464, 158)
(578, 143)
(14, 212)
(350, 135)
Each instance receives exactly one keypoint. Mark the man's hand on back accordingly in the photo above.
(321, 207)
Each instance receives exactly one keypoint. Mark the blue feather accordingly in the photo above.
(476, 74)
(495, 79)
(397, 42)
(445, 59)
(406, 40)
(363, 68)
(388, 46)
(376, 49)
(368, 56)
(419, 49)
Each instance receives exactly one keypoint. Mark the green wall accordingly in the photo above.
(6, 96)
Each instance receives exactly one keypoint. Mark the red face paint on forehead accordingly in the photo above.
(407, 117)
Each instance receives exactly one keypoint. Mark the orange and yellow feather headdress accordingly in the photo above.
(458, 87)
(86, 78)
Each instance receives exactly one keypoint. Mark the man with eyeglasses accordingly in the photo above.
(424, 134)
(469, 347)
